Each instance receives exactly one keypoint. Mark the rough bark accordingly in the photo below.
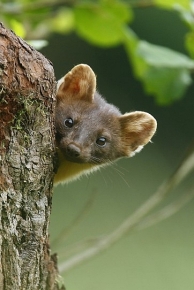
(27, 90)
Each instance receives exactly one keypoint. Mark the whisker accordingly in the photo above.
(105, 180)
(113, 165)
(100, 161)
(121, 176)
(119, 172)
(121, 167)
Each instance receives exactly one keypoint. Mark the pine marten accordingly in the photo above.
(90, 132)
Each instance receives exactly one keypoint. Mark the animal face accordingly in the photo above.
(90, 130)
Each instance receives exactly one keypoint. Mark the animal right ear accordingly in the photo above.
(137, 129)
(79, 83)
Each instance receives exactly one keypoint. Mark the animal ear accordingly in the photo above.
(79, 83)
(137, 129)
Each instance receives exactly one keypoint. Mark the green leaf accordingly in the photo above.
(189, 43)
(187, 15)
(18, 28)
(131, 42)
(160, 56)
(63, 21)
(164, 73)
(169, 4)
(101, 24)
(167, 85)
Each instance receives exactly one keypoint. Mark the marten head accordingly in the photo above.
(88, 129)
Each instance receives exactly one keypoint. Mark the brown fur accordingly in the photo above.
(94, 122)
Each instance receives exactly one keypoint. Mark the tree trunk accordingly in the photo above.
(27, 90)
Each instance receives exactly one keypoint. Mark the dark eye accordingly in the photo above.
(68, 123)
(101, 141)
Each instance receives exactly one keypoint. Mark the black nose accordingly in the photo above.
(73, 150)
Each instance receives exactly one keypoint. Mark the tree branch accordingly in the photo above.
(101, 244)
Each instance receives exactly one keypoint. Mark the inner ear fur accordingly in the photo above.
(78, 83)
(137, 129)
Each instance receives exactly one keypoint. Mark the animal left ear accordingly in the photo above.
(79, 83)
(137, 129)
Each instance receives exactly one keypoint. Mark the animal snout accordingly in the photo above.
(73, 150)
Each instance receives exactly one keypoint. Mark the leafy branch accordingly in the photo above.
(164, 73)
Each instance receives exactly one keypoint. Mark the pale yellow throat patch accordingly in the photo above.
(69, 171)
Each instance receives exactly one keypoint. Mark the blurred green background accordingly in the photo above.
(160, 257)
